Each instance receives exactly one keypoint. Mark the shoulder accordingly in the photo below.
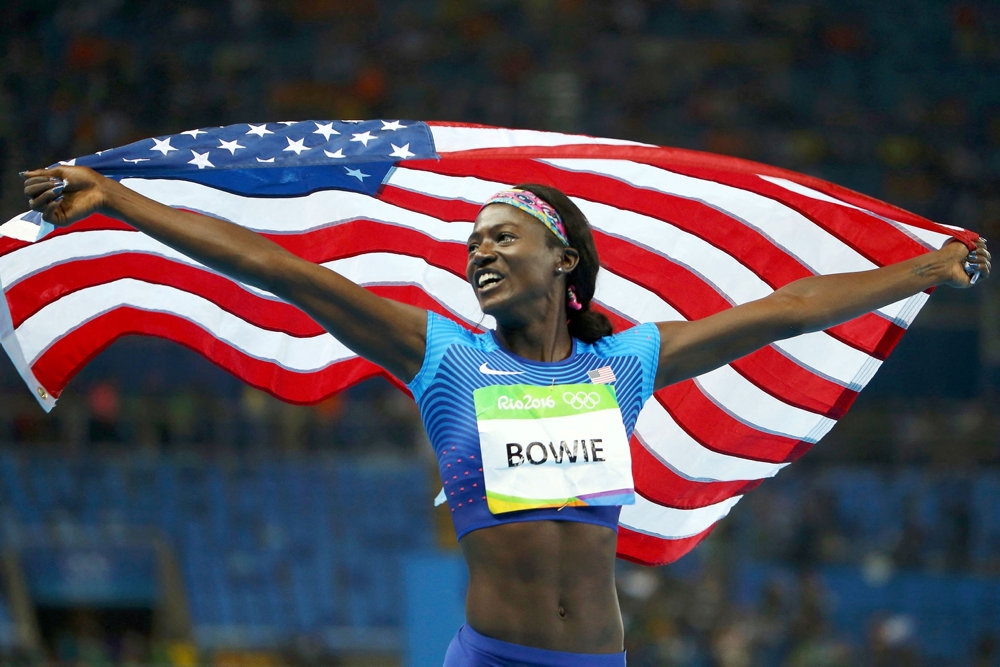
(443, 334)
(637, 339)
(444, 330)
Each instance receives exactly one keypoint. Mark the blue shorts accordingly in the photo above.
(470, 649)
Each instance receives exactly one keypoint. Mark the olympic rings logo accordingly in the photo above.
(582, 400)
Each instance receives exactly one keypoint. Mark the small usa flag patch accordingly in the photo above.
(602, 375)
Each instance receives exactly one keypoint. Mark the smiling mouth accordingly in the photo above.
(487, 279)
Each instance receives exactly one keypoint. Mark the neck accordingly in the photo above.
(537, 341)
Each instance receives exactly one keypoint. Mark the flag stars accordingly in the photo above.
(230, 146)
(296, 146)
(357, 173)
(162, 145)
(259, 130)
(402, 152)
(337, 154)
(200, 159)
(394, 125)
(194, 133)
(363, 137)
(326, 129)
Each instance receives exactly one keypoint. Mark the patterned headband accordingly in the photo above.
(531, 203)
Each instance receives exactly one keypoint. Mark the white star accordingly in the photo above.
(288, 122)
(339, 153)
(401, 151)
(259, 130)
(394, 125)
(297, 146)
(357, 173)
(230, 146)
(68, 163)
(138, 159)
(194, 133)
(200, 159)
(325, 130)
(363, 137)
(270, 159)
(162, 146)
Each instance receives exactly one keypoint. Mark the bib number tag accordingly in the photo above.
(557, 446)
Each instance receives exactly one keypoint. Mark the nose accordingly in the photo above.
(483, 254)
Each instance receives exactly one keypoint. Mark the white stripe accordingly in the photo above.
(756, 408)
(930, 240)
(58, 319)
(12, 346)
(669, 443)
(838, 361)
(448, 139)
(795, 234)
(652, 519)
(294, 214)
(55, 320)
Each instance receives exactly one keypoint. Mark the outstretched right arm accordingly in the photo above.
(386, 332)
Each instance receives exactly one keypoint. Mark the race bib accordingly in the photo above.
(557, 446)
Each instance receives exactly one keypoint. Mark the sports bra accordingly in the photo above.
(458, 361)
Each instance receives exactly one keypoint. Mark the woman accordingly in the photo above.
(541, 580)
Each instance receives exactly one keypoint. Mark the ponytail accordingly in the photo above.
(586, 324)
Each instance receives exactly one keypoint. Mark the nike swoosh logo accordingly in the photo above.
(486, 370)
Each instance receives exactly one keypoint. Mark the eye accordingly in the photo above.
(473, 247)
(506, 238)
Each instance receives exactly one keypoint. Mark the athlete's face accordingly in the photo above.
(512, 261)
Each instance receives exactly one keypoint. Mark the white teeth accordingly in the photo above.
(487, 277)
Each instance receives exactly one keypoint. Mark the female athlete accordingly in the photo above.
(540, 560)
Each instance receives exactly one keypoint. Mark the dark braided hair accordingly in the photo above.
(586, 324)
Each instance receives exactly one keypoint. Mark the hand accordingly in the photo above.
(64, 195)
(967, 264)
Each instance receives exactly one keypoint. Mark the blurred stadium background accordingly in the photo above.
(165, 514)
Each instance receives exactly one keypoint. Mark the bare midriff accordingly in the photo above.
(545, 584)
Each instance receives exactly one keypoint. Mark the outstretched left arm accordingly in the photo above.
(688, 349)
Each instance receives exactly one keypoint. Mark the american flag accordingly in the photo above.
(602, 375)
(389, 204)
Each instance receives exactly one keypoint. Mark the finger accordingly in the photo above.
(47, 172)
(36, 186)
(42, 200)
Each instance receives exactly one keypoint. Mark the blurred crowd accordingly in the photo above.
(901, 104)
(898, 103)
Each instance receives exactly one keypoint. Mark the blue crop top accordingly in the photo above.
(458, 361)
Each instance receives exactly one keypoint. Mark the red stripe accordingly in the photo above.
(714, 429)
(449, 210)
(649, 550)
(69, 354)
(663, 486)
(66, 356)
(872, 237)
(89, 223)
(767, 368)
(349, 239)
